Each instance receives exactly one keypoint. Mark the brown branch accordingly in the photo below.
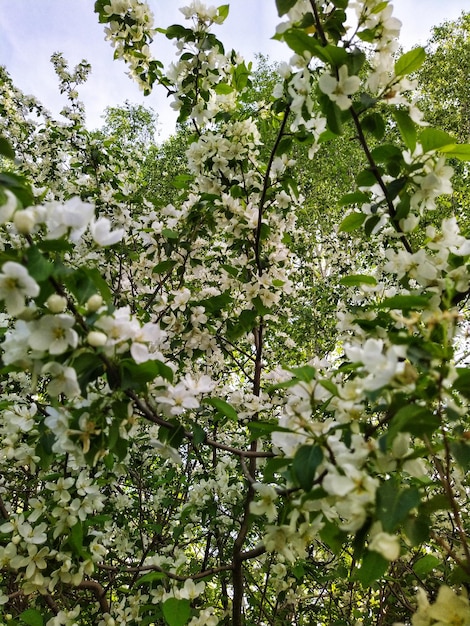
(98, 592)
(155, 568)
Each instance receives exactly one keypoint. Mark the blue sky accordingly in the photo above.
(31, 30)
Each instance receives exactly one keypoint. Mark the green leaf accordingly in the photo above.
(89, 367)
(176, 31)
(306, 373)
(262, 429)
(215, 304)
(19, 186)
(417, 529)
(150, 578)
(284, 6)
(357, 197)
(374, 124)
(169, 234)
(76, 538)
(223, 12)
(366, 178)
(355, 280)
(370, 224)
(240, 76)
(407, 128)
(333, 536)
(199, 434)
(182, 181)
(163, 267)
(137, 375)
(223, 408)
(426, 564)
(38, 266)
(246, 321)
(32, 617)
(386, 152)
(462, 382)
(459, 151)
(223, 89)
(406, 303)
(410, 61)
(461, 452)
(372, 568)
(433, 139)
(351, 222)
(176, 612)
(305, 464)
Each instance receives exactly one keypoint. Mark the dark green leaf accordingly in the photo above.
(374, 124)
(263, 429)
(163, 267)
(393, 504)
(461, 452)
(199, 435)
(372, 568)
(366, 178)
(305, 464)
(417, 529)
(414, 419)
(462, 382)
(333, 536)
(5, 149)
(284, 6)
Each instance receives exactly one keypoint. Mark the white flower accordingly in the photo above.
(266, 504)
(15, 286)
(64, 380)
(73, 215)
(385, 544)
(7, 208)
(381, 366)
(191, 590)
(339, 90)
(102, 234)
(54, 333)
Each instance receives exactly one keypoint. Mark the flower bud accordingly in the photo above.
(96, 339)
(94, 302)
(56, 303)
(24, 221)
